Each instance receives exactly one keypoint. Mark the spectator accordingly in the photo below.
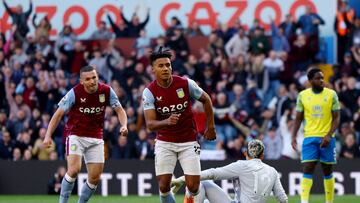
(54, 184)
(19, 18)
(273, 66)
(348, 67)
(134, 26)
(255, 26)
(273, 144)
(300, 54)
(39, 151)
(343, 23)
(215, 44)
(66, 40)
(19, 112)
(43, 46)
(355, 33)
(350, 149)
(120, 30)
(178, 44)
(309, 24)
(141, 43)
(222, 110)
(259, 43)
(16, 156)
(280, 43)
(122, 149)
(285, 128)
(194, 30)
(99, 61)
(42, 29)
(289, 27)
(237, 45)
(144, 150)
(27, 155)
(236, 149)
(102, 32)
(224, 32)
(175, 22)
(6, 146)
(350, 94)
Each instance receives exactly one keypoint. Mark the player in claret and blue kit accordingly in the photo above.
(85, 105)
(167, 110)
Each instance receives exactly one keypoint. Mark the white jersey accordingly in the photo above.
(253, 180)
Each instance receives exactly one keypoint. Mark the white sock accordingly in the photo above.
(69, 179)
(91, 186)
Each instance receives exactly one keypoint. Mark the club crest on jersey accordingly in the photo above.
(102, 98)
(180, 93)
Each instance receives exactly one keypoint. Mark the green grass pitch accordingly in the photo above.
(152, 199)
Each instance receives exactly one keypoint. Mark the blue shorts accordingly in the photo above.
(311, 151)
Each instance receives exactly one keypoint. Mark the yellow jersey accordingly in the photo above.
(317, 110)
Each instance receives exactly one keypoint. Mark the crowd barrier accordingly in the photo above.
(133, 177)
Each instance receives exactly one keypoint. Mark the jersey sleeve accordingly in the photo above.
(148, 100)
(194, 89)
(114, 100)
(67, 101)
(279, 191)
(335, 104)
(299, 104)
(229, 171)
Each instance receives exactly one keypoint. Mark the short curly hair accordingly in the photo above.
(161, 53)
(255, 149)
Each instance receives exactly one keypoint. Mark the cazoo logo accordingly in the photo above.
(91, 110)
(173, 108)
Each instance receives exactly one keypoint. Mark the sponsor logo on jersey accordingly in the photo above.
(102, 98)
(180, 93)
(159, 98)
(82, 100)
(175, 108)
(91, 110)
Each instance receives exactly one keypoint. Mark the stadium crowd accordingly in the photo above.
(252, 75)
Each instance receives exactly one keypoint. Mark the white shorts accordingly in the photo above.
(167, 153)
(91, 148)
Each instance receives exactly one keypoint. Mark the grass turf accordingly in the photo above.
(152, 199)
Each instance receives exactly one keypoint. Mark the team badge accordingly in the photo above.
(73, 147)
(102, 98)
(180, 93)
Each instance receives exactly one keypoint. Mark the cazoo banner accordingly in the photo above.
(85, 15)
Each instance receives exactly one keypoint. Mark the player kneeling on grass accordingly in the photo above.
(253, 180)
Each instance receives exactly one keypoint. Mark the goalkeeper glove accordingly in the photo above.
(177, 183)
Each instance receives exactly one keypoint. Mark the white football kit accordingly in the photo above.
(253, 182)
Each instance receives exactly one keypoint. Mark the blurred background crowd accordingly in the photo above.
(253, 76)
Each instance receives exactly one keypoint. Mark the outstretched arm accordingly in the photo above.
(7, 8)
(143, 24)
(28, 12)
(123, 17)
